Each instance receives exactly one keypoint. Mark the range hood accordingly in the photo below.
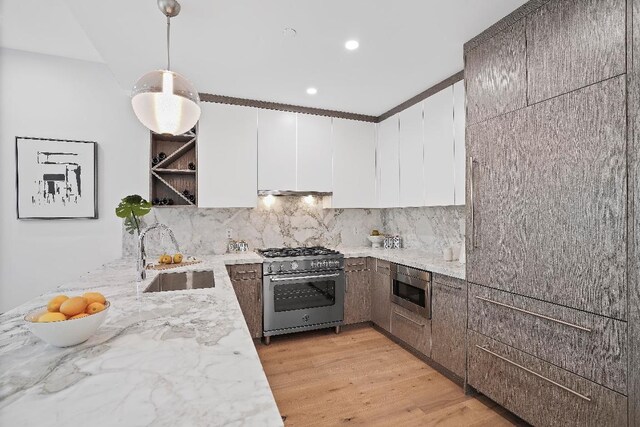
(293, 193)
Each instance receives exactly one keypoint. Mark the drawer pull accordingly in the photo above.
(581, 396)
(422, 325)
(246, 272)
(542, 316)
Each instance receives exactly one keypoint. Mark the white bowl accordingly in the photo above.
(68, 332)
(376, 241)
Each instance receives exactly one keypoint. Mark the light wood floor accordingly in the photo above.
(362, 377)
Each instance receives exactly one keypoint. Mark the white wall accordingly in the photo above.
(52, 97)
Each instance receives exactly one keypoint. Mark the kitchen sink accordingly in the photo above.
(181, 281)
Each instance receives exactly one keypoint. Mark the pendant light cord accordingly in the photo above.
(168, 43)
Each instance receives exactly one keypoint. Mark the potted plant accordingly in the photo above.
(132, 208)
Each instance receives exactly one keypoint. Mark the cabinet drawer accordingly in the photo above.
(411, 329)
(537, 391)
(583, 343)
(245, 271)
(355, 264)
(383, 266)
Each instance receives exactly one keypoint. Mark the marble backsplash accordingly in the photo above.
(290, 221)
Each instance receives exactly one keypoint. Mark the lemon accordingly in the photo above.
(73, 306)
(79, 316)
(94, 297)
(95, 307)
(52, 317)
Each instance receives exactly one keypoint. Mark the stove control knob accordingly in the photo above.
(269, 268)
(281, 266)
(294, 265)
(313, 264)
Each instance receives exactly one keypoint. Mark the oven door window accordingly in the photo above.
(304, 294)
(410, 293)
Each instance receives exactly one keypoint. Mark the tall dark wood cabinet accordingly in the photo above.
(495, 75)
(548, 214)
(572, 44)
(633, 97)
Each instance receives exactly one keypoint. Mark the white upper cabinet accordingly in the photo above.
(354, 164)
(227, 156)
(411, 154)
(438, 142)
(459, 120)
(314, 153)
(276, 150)
(388, 163)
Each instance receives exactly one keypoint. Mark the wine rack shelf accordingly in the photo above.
(174, 169)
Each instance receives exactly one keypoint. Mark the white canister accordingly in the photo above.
(447, 253)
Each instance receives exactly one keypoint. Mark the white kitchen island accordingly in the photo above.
(182, 358)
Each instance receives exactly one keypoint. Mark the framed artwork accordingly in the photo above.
(56, 178)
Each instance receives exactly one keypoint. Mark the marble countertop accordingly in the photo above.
(179, 358)
(411, 257)
(168, 358)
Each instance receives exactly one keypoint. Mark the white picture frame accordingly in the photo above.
(56, 179)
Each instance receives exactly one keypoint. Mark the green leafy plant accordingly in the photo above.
(131, 208)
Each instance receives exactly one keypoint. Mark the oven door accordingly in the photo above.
(412, 293)
(303, 301)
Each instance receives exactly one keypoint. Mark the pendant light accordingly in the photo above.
(163, 100)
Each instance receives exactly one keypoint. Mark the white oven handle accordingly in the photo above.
(287, 279)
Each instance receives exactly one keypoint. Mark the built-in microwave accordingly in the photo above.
(411, 289)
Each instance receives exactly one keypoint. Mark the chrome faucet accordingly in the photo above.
(142, 253)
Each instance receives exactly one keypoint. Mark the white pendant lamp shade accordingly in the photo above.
(165, 102)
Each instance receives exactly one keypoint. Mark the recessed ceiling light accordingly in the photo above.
(289, 33)
(312, 91)
(352, 45)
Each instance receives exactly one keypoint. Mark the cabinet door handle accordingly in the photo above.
(542, 316)
(245, 272)
(422, 325)
(580, 395)
(472, 208)
(346, 284)
(357, 264)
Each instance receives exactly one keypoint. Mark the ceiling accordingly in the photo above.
(46, 27)
(237, 48)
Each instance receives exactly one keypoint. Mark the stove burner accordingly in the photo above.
(296, 252)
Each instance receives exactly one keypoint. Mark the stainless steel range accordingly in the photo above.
(303, 289)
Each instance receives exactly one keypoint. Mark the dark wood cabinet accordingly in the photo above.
(577, 200)
(549, 201)
(592, 346)
(357, 292)
(381, 295)
(247, 284)
(449, 323)
(412, 329)
(495, 75)
(496, 221)
(572, 44)
(540, 392)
